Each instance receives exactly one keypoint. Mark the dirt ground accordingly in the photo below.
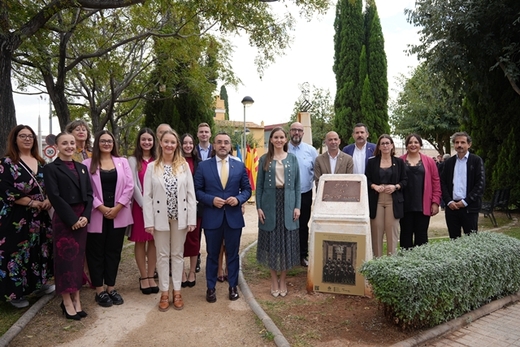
(305, 319)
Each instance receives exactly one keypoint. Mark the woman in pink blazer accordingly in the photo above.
(112, 186)
(422, 194)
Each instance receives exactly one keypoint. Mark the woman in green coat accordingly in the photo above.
(278, 199)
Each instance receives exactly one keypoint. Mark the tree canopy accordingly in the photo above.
(476, 47)
(22, 20)
(426, 105)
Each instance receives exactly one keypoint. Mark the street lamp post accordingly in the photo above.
(246, 101)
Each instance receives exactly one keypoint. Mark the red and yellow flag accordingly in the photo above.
(251, 164)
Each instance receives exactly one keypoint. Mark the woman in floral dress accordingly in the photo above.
(25, 225)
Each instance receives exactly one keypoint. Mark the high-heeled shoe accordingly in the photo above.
(155, 289)
(82, 314)
(275, 293)
(283, 293)
(191, 284)
(67, 315)
(146, 291)
(184, 284)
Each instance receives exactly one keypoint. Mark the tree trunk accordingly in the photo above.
(7, 110)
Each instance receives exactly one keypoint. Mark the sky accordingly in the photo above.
(309, 59)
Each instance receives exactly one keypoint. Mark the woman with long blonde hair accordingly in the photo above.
(170, 212)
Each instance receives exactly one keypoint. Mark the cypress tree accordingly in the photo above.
(377, 71)
(348, 43)
(224, 96)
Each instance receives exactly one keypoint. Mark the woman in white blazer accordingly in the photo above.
(170, 211)
(113, 187)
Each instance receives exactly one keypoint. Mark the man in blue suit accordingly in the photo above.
(361, 150)
(222, 185)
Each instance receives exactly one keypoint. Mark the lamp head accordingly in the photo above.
(247, 100)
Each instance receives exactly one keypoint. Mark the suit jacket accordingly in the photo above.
(210, 150)
(208, 186)
(64, 189)
(369, 150)
(344, 165)
(475, 182)
(123, 196)
(398, 177)
(155, 207)
(432, 186)
(266, 192)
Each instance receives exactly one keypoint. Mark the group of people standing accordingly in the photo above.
(405, 192)
(56, 218)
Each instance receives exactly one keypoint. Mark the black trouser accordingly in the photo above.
(104, 253)
(414, 224)
(305, 216)
(461, 218)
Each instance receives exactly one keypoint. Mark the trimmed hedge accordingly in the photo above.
(436, 282)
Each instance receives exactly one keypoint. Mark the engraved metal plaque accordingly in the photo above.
(341, 191)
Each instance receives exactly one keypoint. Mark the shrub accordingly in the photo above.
(437, 282)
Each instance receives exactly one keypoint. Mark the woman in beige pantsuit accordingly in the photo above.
(170, 211)
(386, 176)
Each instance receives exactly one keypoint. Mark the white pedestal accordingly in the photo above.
(340, 239)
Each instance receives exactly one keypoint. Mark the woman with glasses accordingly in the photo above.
(113, 186)
(422, 194)
(386, 177)
(25, 225)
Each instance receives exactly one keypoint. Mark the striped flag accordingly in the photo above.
(250, 168)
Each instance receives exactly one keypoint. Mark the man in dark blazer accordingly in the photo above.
(222, 185)
(462, 182)
(361, 150)
(343, 163)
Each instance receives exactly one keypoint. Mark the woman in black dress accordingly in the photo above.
(70, 193)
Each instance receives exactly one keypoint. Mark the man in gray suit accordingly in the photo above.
(333, 161)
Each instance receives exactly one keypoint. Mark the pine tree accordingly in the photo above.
(348, 43)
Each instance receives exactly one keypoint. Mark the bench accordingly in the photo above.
(503, 203)
(500, 200)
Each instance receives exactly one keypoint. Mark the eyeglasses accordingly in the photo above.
(297, 130)
(223, 143)
(26, 136)
(385, 143)
(106, 142)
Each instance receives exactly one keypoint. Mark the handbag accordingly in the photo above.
(51, 210)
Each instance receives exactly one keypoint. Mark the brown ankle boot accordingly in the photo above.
(178, 304)
(164, 303)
